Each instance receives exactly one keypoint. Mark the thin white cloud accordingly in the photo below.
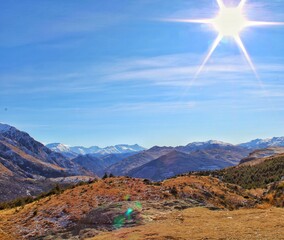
(49, 27)
(161, 71)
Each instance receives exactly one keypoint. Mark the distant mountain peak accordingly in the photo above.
(210, 142)
(264, 143)
(80, 150)
(58, 147)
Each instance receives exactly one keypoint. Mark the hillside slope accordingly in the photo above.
(123, 167)
(175, 163)
(261, 154)
(253, 174)
(26, 164)
(116, 202)
(202, 156)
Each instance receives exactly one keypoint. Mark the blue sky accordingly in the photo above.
(107, 72)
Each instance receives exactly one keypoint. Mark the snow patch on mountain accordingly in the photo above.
(210, 142)
(58, 147)
(80, 150)
(264, 143)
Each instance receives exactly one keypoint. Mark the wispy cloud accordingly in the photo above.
(42, 26)
(164, 71)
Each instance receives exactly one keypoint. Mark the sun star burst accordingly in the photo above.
(229, 22)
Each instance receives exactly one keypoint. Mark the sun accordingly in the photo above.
(229, 22)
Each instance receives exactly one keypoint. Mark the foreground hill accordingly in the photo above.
(109, 204)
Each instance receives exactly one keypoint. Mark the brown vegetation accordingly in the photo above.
(96, 205)
(201, 223)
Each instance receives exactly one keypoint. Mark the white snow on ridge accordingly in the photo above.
(117, 149)
(58, 147)
(264, 143)
(210, 142)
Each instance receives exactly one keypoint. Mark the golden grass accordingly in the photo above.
(5, 236)
(201, 223)
(44, 216)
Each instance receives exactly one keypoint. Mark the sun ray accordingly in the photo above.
(243, 49)
(242, 3)
(189, 20)
(212, 49)
(220, 4)
(263, 23)
(229, 22)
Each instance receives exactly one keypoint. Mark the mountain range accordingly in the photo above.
(42, 187)
(124, 148)
(176, 208)
(28, 167)
(264, 143)
(94, 150)
(159, 163)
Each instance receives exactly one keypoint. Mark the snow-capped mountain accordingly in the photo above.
(58, 147)
(121, 148)
(211, 144)
(63, 149)
(264, 143)
(79, 150)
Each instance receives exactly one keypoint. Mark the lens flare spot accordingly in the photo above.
(127, 197)
(119, 221)
(138, 205)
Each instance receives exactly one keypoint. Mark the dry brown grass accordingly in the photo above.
(201, 223)
(5, 236)
(211, 190)
(48, 214)
(59, 212)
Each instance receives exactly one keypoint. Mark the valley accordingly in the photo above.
(204, 190)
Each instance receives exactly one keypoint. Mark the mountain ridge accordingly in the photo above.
(27, 164)
(80, 150)
(264, 143)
